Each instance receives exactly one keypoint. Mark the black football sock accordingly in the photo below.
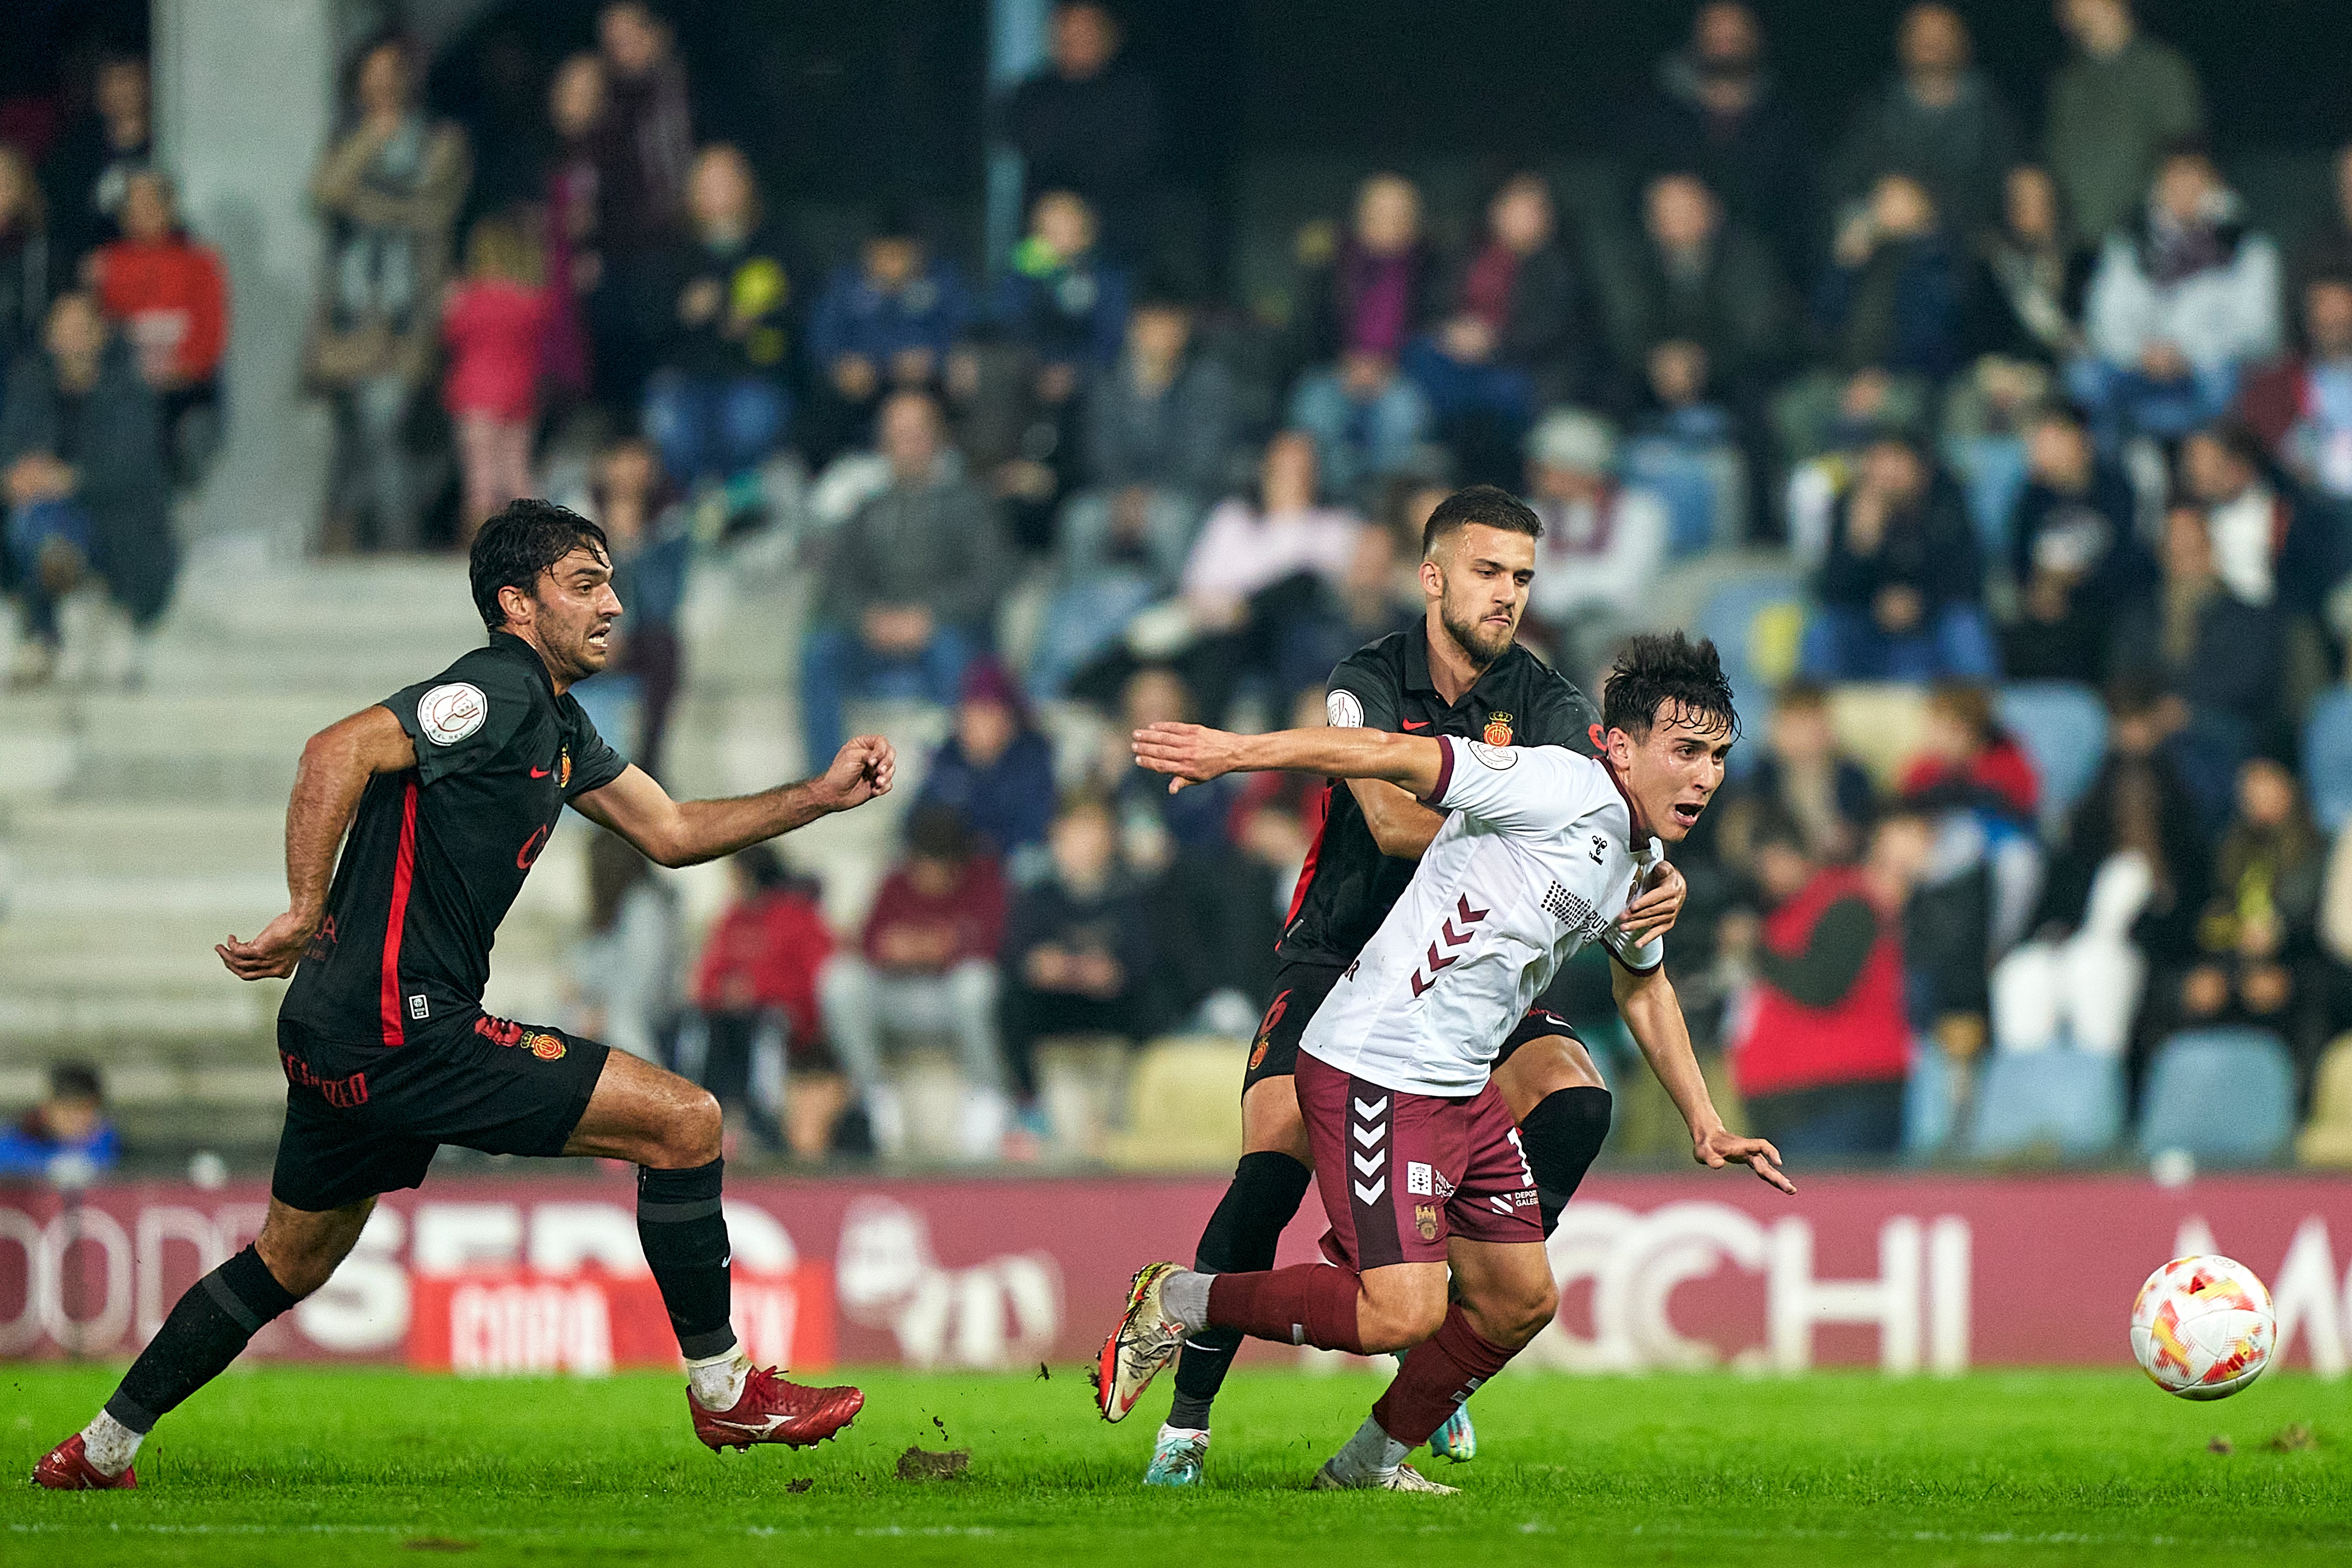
(1240, 1238)
(207, 1328)
(1562, 1135)
(685, 1239)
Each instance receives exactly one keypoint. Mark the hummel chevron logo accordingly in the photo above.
(1367, 1164)
(1368, 1136)
(1367, 1109)
(1439, 962)
(1371, 1195)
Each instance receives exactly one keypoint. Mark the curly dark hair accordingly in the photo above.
(521, 541)
(1658, 668)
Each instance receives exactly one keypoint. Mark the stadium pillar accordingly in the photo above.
(1016, 46)
(244, 100)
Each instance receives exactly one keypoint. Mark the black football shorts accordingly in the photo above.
(1300, 988)
(367, 1118)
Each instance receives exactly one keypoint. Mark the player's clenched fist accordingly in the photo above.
(861, 770)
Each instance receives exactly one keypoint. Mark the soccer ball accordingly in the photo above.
(2203, 1327)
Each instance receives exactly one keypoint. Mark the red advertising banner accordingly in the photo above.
(1910, 1274)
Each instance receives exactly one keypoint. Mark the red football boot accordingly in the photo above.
(774, 1411)
(66, 1468)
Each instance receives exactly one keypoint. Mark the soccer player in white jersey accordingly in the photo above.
(1419, 1165)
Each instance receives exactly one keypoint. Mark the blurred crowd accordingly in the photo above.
(2023, 459)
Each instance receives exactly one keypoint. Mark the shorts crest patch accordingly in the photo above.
(1425, 1219)
(449, 713)
(546, 1047)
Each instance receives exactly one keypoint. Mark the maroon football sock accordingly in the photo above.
(1306, 1304)
(1438, 1374)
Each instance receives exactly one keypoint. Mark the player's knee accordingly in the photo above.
(1399, 1319)
(1517, 1312)
(695, 1132)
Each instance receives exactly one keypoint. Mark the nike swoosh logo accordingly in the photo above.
(541, 773)
(1422, 726)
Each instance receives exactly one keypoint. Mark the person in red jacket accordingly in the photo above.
(927, 964)
(1969, 759)
(170, 292)
(1826, 1045)
(755, 991)
(493, 321)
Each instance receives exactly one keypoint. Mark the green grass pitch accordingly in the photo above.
(359, 1468)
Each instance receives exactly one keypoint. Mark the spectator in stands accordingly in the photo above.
(1604, 540)
(1091, 125)
(1968, 758)
(1895, 294)
(1062, 301)
(2301, 405)
(1164, 418)
(82, 465)
(1939, 119)
(2025, 311)
(1260, 580)
(1686, 445)
(755, 999)
(1826, 1047)
(390, 188)
(883, 325)
(170, 294)
(2113, 110)
(2258, 955)
(493, 323)
(1697, 278)
(1806, 777)
(2075, 552)
(1514, 336)
(1076, 956)
(994, 770)
(67, 1138)
(86, 172)
(1716, 113)
(652, 548)
(717, 407)
(1364, 305)
(625, 966)
(2216, 655)
(572, 240)
(2267, 547)
(927, 963)
(2178, 307)
(24, 273)
(645, 152)
(1902, 585)
(2324, 249)
(2122, 894)
(912, 581)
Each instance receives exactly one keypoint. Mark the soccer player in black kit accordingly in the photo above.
(1461, 673)
(449, 789)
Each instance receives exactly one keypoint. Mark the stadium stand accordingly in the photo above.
(2223, 1097)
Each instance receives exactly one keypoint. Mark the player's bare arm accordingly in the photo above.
(688, 832)
(1654, 1015)
(1193, 753)
(336, 765)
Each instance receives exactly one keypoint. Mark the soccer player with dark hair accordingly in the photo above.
(1460, 673)
(1435, 1224)
(449, 789)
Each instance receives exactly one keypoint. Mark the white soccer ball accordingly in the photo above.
(2203, 1327)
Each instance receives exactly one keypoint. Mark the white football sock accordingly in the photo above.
(1185, 1295)
(1370, 1452)
(1182, 1433)
(109, 1445)
(718, 1381)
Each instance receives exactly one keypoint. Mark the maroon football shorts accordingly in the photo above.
(1400, 1174)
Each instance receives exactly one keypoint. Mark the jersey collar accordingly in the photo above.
(512, 646)
(1642, 833)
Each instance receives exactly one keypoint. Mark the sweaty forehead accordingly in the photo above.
(582, 558)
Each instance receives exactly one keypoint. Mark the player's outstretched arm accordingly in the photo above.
(1654, 1015)
(688, 832)
(1194, 754)
(336, 765)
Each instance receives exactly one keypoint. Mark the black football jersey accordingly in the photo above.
(436, 854)
(1348, 885)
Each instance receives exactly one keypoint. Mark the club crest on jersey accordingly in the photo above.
(1425, 1219)
(545, 1046)
(449, 713)
(563, 769)
(1498, 730)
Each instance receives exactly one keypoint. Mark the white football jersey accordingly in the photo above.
(1535, 860)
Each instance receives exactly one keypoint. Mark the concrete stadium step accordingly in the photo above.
(82, 838)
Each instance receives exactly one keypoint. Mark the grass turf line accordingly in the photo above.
(356, 1467)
